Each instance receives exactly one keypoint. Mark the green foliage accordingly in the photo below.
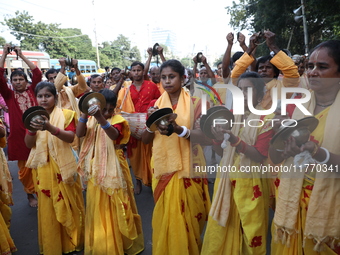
(79, 47)
(323, 21)
(187, 62)
(120, 52)
(2, 41)
(117, 53)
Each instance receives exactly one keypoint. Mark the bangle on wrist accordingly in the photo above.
(236, 143)
(328, 155)
(106, 126)
(216, 142)
(184, 132)
(187, 135)
(31, 133)
(149, 130)
(82, 120)
(56, 132)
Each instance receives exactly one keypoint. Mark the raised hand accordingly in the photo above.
(230, 38)
(241, 39)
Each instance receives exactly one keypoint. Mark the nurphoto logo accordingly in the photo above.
(238, 105)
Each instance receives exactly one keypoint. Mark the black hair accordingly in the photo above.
(110, 96)
(50, 71)
(236, 56)
(175, 65)
(137, 63)
(256, 80)
(94, 76)
(19, 73)
(219, 63)
(115, 68)
(265, 59)
(333, 48)
(45, 84)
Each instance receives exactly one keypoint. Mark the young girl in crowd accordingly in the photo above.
(112, 224)
(60, 203)
(181, 197)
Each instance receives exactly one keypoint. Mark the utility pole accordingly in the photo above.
(305, 32)
(300, 14)
(95, 33)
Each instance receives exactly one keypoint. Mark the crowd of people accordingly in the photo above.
(74, 149)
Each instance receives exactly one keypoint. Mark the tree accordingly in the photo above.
(50, 37)
(61, 42)
(187, 62)
(120, 52)
(2, 41)
(277, 15)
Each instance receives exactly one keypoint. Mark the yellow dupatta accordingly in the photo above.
(124, 101)
(176, 156)
(98, 159)
(48, 145)
(323, 215)
(72, 100)
(220, 207)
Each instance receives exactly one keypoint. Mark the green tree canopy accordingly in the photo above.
(119, 52)
(323, 21)
(76, 45)
(2, 41)
(50, 37)
(187, 62)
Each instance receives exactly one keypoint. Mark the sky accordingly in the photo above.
(200, 25)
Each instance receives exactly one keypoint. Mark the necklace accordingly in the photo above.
(324, 105)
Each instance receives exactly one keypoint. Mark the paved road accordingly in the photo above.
(24, 218)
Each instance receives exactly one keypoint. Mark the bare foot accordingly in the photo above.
(32, 201)
(138, 187)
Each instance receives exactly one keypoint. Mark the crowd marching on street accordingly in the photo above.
(80, 142)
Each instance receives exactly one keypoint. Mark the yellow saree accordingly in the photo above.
(58, 187)
(181, 201)
(112, 224)
(307, 216)
(238, 220)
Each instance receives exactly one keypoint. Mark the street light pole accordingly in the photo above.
(305, 32)
(95, 33)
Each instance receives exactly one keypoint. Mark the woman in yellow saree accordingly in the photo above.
(181, 196)
(238, 220)
(307, 214)
(112, 223)
(7, 245)
(57, 184)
